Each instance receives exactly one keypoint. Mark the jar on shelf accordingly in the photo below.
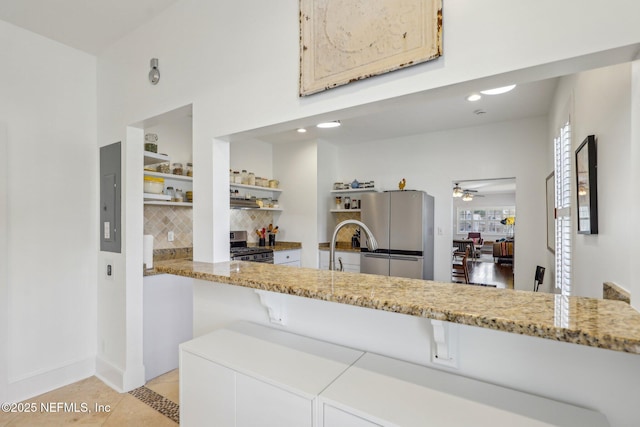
(179, 196)
(245, 177)
(169, 192)
(189, 169)
(252, 179)
(237, 178)
(347, 202)
(163, 167)
(177, 169)
(150, 140)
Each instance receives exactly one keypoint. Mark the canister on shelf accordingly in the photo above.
(153, 184)
(150, 140)
(179, 196)
(169, 192)
(189, 169)
(252, 179)
(164, 167)
(177, 169)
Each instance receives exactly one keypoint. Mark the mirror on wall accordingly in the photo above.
(483, 230)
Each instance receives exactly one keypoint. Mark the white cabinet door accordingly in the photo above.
(334, 417)
(207, 393)
(265, 405)
(350, 260)
(290, 258)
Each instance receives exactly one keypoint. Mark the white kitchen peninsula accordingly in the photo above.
(535, 343)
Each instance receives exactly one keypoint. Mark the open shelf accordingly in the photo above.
(345, 210)
(162, 203)
(355, 190)
(169, 176)
(255, 187)
(154, 158)
(156, 197)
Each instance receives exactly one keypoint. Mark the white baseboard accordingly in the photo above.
(42, 382)
(118, 379)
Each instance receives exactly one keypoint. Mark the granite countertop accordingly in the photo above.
(281, 246)
(601, 323)
(340, 246)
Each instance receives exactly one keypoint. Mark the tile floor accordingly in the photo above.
(125, 409)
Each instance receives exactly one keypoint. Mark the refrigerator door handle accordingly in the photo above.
(384, 256)
(406, 258)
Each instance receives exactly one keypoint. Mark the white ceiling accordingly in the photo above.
(418, 114)
(87, 25)
(92, 26)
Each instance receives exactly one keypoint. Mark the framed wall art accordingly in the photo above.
(346, 40)
(587, 186)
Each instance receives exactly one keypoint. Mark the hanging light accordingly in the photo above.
(467, 197)
(457, 191)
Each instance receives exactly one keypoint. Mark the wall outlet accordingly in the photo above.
(170, 236)
(108, 270)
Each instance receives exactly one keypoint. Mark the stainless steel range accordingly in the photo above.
(241, 252)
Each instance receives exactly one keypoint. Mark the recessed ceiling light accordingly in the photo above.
(326, 125)
(301, 130)
(474, 97)
(498, 90)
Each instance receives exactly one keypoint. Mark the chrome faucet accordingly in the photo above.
(372, 244)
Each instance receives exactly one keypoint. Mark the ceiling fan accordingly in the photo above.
(460, 192)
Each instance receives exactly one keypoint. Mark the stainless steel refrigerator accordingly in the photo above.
(402, 223)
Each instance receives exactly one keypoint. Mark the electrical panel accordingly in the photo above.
(110, 198)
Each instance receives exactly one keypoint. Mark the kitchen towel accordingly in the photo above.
(147, 250)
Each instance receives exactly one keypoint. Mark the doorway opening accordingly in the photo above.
(483, 227)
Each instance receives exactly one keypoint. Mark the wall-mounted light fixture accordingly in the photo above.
(154, 74)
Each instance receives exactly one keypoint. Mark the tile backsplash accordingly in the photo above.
(250, 221)
(159, 220)
(344, 235)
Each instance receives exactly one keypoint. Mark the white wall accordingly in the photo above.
(600, 105)
(48, 104)
(297, 168)
(4, 259)
(253, 156)
(237, 63)
(634, 156)
(174, 138)
(432, 161)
